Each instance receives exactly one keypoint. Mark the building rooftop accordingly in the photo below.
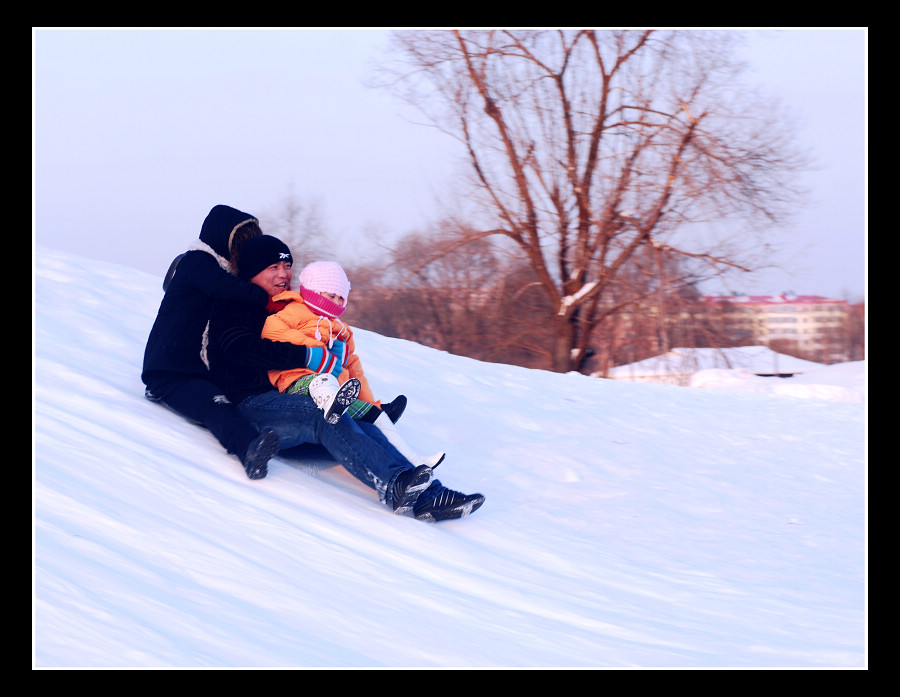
(782, 299)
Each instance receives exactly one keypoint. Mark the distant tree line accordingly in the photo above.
(482, 300)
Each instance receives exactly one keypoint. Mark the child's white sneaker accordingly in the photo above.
(331, 397)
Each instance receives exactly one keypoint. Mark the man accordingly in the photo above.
(240, 360)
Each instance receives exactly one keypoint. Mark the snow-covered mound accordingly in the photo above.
(624, 524)
(843, 382)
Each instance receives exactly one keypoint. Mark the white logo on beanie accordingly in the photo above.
(259, 252)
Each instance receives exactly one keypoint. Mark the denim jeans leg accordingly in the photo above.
(293, 417)
(358, 446)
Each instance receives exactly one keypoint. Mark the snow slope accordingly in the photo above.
(626, 525)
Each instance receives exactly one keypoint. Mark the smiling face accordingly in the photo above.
(274, 279)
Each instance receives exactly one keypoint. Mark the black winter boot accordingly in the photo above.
(440, 503)
(394, 409)
(261, 449)
(407, 487)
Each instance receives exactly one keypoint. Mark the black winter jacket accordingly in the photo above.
(239, 357)
(176, 341)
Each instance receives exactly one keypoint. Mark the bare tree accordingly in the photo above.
(429, 291)
(586, 147)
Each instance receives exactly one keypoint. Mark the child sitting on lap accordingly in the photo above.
(311, 317)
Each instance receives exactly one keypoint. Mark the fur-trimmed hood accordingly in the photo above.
(224, 264)
(176, 346)
(219, 227)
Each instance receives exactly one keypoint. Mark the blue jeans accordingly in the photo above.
(357, 445)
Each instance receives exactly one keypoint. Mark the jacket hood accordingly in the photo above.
(219, 227)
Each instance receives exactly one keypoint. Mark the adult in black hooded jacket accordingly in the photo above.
(176, 370)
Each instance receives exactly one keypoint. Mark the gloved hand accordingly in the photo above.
(321, 360)
(340, 351)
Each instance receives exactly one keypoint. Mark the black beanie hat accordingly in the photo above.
(258, 253)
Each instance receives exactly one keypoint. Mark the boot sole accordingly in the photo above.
(435, 460)
(344, 397)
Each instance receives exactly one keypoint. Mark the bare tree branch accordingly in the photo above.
(589, 146)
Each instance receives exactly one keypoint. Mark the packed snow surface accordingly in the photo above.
(625, 525)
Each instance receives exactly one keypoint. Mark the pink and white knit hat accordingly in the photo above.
(324, 277)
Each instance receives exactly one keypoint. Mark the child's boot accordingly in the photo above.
(331, 397)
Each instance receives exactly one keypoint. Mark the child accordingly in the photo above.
(311, 318)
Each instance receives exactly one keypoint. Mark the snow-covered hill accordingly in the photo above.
(625, 525)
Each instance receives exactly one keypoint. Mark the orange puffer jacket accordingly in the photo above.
(297, 324)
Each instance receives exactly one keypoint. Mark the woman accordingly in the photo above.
(240, 360)
(175, 368)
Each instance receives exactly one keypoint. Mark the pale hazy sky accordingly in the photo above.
(138, 133)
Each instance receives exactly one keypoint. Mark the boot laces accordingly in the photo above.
(448, 497)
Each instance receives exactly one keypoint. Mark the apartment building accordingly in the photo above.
(811, 324)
